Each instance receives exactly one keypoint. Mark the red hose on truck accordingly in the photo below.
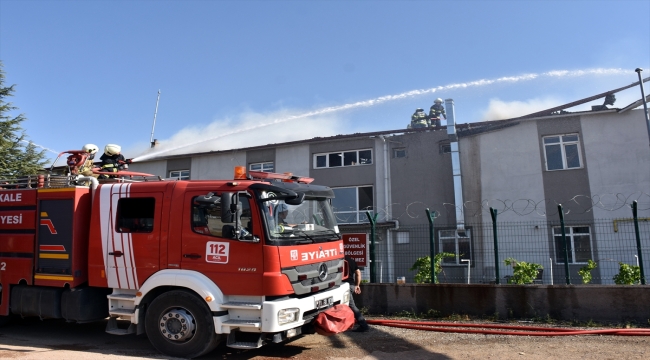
(504, 329)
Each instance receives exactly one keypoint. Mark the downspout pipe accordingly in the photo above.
(455, 165)
(387, 204)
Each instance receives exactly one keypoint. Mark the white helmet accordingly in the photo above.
(112, 149)
(90, 148)
(438, 100)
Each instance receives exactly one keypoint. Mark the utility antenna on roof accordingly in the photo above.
(152, 141)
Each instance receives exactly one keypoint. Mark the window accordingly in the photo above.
(399, 152)
(455, 242)
(351, 203)
(135, 215)
(264, 166)
(402, 237)
(562, 152)
(578, 242)
(343, 158)
(445, 148)
(207, 220)
(180, 174)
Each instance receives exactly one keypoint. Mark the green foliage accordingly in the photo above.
(523, 273)
(585, 271)
(423, 267)
(627, 274)
(17, 155)
(430, 314)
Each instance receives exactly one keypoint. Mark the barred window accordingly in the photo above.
(455, 242)
(578, 242)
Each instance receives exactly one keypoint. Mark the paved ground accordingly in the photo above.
(35, 339)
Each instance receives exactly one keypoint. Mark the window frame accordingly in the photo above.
(360, 213)
(399, 150)
(563, 144)
(342, 154)
(262, 166)
(457, 259)
(180, 176)
(570, 238)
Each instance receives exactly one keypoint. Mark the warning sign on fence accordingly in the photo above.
(355, 246)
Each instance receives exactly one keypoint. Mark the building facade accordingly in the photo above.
(594, 164)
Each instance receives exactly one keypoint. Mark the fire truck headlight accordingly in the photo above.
(346, 297)
(286, 316)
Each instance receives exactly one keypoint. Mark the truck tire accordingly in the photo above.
(179, 323)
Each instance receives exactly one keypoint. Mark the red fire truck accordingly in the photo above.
(188, 262)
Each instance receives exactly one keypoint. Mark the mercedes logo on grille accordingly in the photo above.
(322, 272)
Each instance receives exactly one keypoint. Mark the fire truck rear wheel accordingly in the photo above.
(179, 323)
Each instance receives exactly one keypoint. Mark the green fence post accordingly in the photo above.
(373, 270)
(434, 277)
(493, 213)
(638, 240)
(566, 251)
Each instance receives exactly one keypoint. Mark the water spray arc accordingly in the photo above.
(404, 95)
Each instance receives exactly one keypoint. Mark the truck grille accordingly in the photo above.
(311, 278)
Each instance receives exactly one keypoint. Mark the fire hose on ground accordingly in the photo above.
(504, 329)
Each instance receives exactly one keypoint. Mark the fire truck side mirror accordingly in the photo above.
(230, 207)
(295, 200)
(226, 201)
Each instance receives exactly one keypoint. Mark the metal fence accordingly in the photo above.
(607, 242)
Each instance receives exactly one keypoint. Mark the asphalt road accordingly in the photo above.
(53, 339)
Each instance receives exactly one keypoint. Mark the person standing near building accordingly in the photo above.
(418, 119)
(354, 279)
(436, 111)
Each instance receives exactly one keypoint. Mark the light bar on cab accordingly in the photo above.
(286, 177)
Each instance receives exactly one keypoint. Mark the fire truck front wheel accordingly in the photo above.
(179, 323)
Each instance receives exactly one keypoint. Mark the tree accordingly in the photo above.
(17, 155)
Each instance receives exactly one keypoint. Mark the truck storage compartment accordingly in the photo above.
(44, 302)
(85, 304)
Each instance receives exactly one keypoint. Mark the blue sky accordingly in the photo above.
(89, 71)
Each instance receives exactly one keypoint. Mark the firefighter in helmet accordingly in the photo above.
(87, 167)
(436, 111)
(113, 160)
(418, 119)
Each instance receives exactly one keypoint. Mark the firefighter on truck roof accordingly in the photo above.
(113, 160)
(87, 167)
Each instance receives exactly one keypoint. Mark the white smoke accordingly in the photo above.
(249, 129)
(192, 139)
(499, 110)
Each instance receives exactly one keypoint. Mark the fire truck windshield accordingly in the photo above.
(310, 222)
